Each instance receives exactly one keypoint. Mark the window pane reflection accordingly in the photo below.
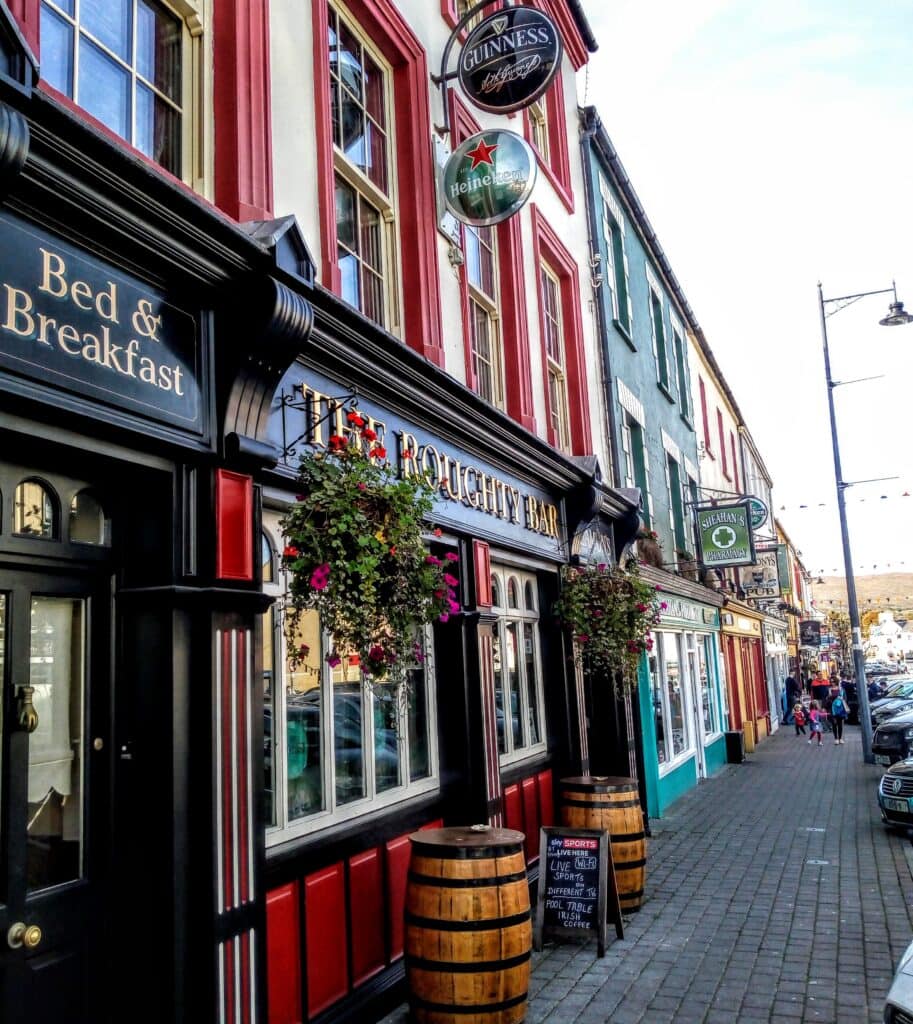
(56, 51)
(109, 22)
(386, 737)
(532, 704)
(348, 735)
(659, 718)
(498, 665)
(88, 524)
(33, 511)
(269, 717)
(304, 722)
(513, 683)
(419, 750)
(104, 88)
(55, 773)
(673, 672)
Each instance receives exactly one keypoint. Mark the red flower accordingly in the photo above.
(437, 531)
(583, 638)
(361, 485)
(355, 419)
(407, 454)
(290, 551)
(368, 434)
(641, 607)
(393, 550)
(336, 441)
(378, 452)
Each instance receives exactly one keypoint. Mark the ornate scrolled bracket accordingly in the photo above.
(277, 329)
(14, 146)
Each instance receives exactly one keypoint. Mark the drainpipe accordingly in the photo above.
(590, 120)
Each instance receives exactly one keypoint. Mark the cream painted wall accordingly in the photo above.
(295, 169)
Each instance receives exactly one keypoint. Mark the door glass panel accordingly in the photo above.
(513, 683)
(55, 776)
(304, 722)
(2, 676)
(387, 740)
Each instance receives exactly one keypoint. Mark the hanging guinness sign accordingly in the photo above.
(488, 177)
(510, 59)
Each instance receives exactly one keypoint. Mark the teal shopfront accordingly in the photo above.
(682, 701)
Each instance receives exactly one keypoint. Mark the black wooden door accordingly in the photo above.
(55, 653)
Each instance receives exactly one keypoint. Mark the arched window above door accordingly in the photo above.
(88, 522)
(35, 511)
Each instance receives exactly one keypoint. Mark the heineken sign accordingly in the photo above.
(510, 59)
(489, 177)
(759, 513)
(725, 535)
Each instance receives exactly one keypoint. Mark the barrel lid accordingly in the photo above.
(471, 837)
(601, 782)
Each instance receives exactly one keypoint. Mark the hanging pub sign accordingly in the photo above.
(809, 633)
(489, 177)
(725, 536)
(510, 59)
(762, 580)
(759, 512)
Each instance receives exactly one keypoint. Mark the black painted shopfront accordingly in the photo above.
(165, 854)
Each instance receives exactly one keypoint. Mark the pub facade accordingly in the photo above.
(203, 261)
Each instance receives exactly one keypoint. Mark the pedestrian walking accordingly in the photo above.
(799, 718)
(793, 693)
(839, 712)
(815, 723)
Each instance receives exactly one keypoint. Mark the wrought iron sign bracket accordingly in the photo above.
(446, 76)
(291, 400)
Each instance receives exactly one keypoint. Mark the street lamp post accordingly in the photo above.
(895, 317)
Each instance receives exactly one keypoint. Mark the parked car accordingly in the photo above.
(894, 794)
(899, 1007)
(892, 741)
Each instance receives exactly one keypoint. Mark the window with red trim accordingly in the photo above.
(561, 333)
(546, 131)
(123, 62)
(375, 172)
(708, 447)
(735, 461)
(722, 433)
(495, 333)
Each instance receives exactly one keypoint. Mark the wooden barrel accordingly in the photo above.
(612, 803)
(468, 927)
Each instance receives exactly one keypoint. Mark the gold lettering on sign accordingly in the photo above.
(124, 358)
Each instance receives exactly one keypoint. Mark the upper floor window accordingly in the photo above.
(722, 436)
(485, 351)
(123, 62)
(546, 131)
(519, 703)
(681, 370)
(364, 180)
(617, 260)
(660, 345)
(735, 460)
(538, 128)
(555, 359)
(636, 464)
(676, 503)
(708, 447)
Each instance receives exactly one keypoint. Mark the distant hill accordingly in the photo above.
(890, 592)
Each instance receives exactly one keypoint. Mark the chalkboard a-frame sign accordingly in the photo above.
(577, 890)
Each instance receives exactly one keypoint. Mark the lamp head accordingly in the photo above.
(897, 315)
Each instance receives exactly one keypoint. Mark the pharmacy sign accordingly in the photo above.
(725, 535)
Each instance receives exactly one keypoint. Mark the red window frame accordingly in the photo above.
(243, 133)
(557, 168)
(708, 447)
(417, 206)
(722, 433)
(735, 461)
(514, 330)
(547, 248)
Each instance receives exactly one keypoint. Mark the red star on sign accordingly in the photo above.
(481, 154)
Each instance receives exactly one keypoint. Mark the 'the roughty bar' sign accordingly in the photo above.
(74, 322)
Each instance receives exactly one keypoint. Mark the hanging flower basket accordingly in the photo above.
(609, 612)
(649, 549)
(355, 553)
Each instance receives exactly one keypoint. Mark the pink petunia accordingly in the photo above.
(451, 581)
(444, 617)
(452, 557)
(333, 659)
(432, 560)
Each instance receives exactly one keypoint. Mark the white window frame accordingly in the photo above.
(689, 748)
(520, 616)
(285, 829)
(195, 86)
(538, 129)
(386, 203)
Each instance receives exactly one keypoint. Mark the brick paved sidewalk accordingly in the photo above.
(765, 885)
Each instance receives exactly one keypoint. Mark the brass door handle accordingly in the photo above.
(27, 716)
(23, 935)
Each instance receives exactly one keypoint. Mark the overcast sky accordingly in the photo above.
(771, 145)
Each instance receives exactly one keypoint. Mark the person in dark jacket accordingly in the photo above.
(793, 694)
